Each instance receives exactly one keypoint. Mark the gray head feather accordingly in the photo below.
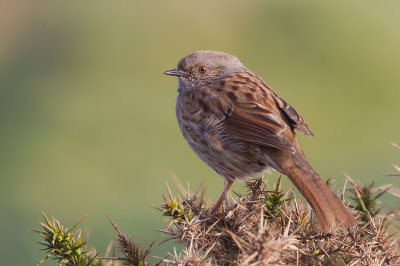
(202, 68)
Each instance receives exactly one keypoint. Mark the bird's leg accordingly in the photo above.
(222, 197)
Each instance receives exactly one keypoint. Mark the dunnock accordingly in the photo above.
(239, 127)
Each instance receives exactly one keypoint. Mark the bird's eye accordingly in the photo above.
(202, 69)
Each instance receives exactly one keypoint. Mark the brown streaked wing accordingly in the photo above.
(295, 119)
(255, 124)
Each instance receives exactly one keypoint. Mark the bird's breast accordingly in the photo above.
(200, 127)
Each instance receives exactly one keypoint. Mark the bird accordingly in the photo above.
(241, 128)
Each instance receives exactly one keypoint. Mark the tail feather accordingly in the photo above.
(329, 209)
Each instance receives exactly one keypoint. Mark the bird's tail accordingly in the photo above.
(329, 210)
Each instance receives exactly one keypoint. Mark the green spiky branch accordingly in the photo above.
(64, 244)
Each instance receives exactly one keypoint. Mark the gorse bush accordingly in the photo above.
(269, 228)
(265, 226)
(262, 227)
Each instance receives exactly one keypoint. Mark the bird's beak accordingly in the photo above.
(175, 72)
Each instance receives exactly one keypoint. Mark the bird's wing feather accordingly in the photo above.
(255, 124)
(295, 119)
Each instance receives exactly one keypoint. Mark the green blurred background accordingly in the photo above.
(87, 118)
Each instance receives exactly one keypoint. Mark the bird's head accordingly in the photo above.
(202, 68)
